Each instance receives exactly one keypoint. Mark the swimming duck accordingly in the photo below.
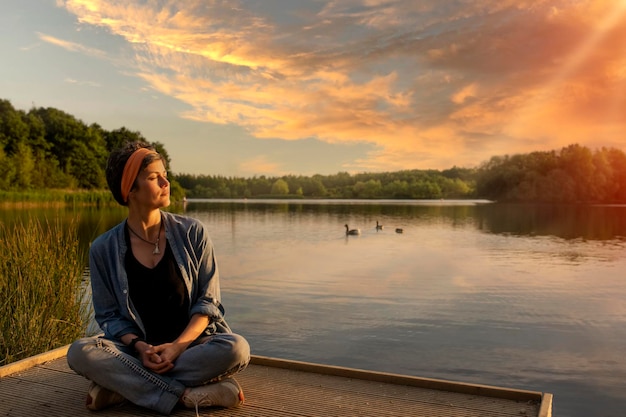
(352, 231)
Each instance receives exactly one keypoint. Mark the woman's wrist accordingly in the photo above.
(133, 343)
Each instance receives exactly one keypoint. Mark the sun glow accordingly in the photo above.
(557, 104)
(613, 17)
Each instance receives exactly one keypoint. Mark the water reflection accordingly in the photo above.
(564, 221)
(594, 222)
(526, 296)
(92, 221)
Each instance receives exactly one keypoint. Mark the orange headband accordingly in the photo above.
(131, 170)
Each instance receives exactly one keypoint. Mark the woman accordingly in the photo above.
(156, 297)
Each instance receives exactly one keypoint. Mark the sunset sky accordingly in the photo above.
(273, 87)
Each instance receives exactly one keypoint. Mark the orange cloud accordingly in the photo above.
(429, 85)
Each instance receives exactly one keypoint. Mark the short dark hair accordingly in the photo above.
(117, 161)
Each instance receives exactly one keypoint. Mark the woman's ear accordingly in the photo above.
(131, 193)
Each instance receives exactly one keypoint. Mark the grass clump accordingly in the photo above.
(97, 198)
(42, 293)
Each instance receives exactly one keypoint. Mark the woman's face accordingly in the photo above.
(152, 189)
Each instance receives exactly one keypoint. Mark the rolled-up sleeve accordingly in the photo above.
(109, 295)
(206, 298)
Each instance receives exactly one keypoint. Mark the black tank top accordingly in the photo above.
(159, 296)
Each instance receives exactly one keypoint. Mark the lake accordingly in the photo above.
(522, 296)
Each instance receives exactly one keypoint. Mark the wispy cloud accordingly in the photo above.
(77, 82)
(428, 83)
(260, 165)
(30, 47)
(72, 46)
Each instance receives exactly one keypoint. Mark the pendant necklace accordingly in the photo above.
(156, 250)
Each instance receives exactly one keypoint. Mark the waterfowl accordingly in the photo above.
(352, 231)
(399, 230)
(379, 226)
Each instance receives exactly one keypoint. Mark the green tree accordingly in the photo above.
(260, 185)
(617, 160)
(426, 189)
(118, 137)
(7, 171)
(369, 189)
(86, 167)
(25, 166)
(314, 187)
(577, 162)
(177, 193)
(280, 187)
(13, 129)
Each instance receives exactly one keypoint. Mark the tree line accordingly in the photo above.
(408, 184)
(575, 174)
(46, 148)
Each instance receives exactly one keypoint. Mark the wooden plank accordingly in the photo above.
(32, 361)
(429, 383)
(281, 388)
(546, 405)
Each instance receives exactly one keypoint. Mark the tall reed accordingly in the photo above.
(96, 198)
(42, 293)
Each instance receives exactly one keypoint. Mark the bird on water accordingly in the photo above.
(352, 231)
(379, 226)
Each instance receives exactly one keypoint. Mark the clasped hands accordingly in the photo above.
(159, 359)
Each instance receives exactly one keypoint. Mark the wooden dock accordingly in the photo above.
(44, 386)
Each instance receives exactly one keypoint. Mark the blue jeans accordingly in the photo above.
(114, 366)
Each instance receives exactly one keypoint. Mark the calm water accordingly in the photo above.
(529, 297)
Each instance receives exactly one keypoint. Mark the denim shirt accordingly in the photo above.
(194, 254)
